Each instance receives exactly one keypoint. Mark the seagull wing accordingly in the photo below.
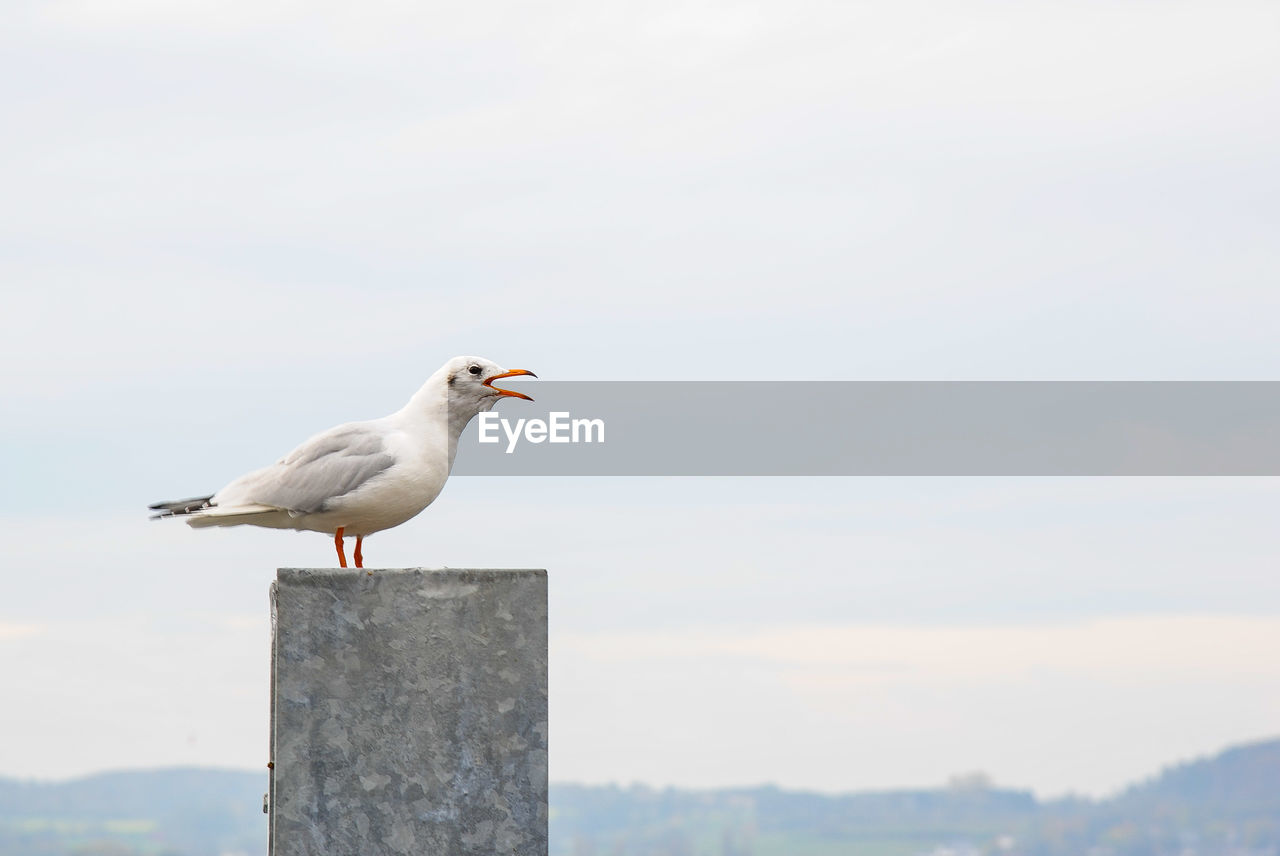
(308, 479)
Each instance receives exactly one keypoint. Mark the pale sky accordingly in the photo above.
(232, 224)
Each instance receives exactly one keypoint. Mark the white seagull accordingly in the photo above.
(361, 477)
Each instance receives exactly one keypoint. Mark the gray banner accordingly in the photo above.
(880, 428)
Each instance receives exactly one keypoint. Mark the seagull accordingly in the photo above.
(361, 477)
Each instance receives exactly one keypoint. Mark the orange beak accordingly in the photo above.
(510, 392)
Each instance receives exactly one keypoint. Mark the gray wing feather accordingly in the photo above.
(319, 471)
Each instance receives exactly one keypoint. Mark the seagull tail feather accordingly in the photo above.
(235, 515)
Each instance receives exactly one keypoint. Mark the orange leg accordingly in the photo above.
(359, 555)
(337, 542)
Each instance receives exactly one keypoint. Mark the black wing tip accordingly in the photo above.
(179, 507)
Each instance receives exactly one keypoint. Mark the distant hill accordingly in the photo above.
(1240, 779)
(178, 812)
(1228, 805)
(640, 821)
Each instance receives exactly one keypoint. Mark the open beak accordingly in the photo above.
(510, 392)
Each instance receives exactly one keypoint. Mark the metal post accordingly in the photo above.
(409, 713)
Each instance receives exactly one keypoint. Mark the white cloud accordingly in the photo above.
(1160, 649)
(149, 689)
(1078, 706)
(10, 630)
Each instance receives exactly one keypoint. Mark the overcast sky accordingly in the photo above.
(231, 224)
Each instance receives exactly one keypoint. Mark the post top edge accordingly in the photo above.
(292, 573)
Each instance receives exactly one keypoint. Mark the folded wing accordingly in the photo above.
(311, 477)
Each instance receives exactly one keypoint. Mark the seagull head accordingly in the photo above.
(469, 381)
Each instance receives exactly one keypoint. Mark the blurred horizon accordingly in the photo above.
(963, 780)
(1224, 805)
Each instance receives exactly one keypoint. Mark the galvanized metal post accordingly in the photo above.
(409, 713)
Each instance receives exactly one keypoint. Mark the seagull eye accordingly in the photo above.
(475, 370)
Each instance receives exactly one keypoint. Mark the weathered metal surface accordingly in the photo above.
(409, 713)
